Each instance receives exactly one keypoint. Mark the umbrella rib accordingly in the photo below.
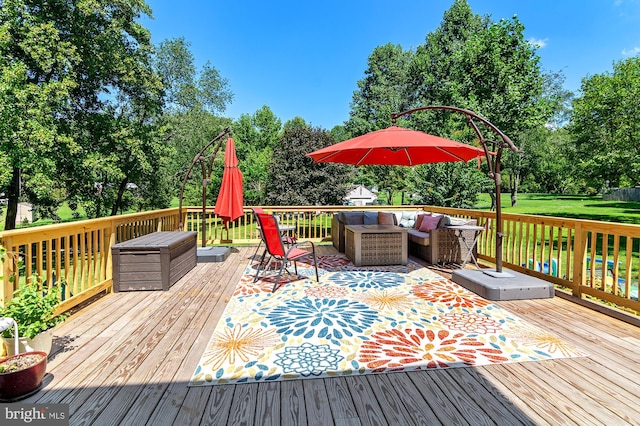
(324, 157)
(364, 156)
(452, 154)
(406, 152)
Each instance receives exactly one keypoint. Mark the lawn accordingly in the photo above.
(569, 206)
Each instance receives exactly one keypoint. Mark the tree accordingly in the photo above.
(549, 166)
(387, 179)
(433, 73)
(434, 78)
(606, 125)
(500, 78)
(256, 137)
(83, 82)
(380, 93)
(294, 179)
(192, 98)
(38, 75)
(489, 68)
(190, 131)
(186, 89)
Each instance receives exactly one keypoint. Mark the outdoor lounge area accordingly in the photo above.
(127, 358)
(135, 357)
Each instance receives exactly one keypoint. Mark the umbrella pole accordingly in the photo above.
(226, 227)
(498, 218)
(204, 212)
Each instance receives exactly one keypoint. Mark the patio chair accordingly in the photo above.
(256, 211)
(286, 238)
(275, 247)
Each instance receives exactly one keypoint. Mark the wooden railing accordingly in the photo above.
(78, 256)
(310, 223)
(75, 256)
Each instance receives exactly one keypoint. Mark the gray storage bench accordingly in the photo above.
(154, 261)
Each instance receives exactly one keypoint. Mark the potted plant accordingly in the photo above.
(32, 307)
(21, 375)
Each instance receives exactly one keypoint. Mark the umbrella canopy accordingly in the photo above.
(396, 146)
(230, 203)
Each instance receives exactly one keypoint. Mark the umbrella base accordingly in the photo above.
(518, 287)
(213, 254)
(496, 274)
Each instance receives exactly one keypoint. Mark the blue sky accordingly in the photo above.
(305, 58)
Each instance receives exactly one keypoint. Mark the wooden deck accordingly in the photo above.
(126, 360)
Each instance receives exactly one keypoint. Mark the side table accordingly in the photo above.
(462, 232)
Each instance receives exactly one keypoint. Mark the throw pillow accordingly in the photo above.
(419, 219)
(370, 218)
(408, 219)
(385, 218)
(445, 220)
(353, 218)
(429, 223)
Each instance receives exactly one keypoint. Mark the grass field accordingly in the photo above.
(570, 206)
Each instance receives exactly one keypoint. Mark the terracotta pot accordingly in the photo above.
(15, 384)
(41, 343)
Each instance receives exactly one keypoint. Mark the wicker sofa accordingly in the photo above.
(438, 246)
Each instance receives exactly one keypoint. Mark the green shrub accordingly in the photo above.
(32, 307)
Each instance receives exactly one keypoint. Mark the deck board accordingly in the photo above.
(292, 403)
(376, 399)
(368, 410)
(414, 397)
(126, 359)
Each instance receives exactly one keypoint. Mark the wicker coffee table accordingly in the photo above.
(376, 244)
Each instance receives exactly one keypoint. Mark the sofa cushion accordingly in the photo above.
(370, 218)
(419, 219)
(352, 218)
(408, 219)
(429, 223)
(418, 237)
(445, 220)
(386, 218)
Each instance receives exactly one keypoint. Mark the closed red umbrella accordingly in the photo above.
(396, 146)
(230, 202)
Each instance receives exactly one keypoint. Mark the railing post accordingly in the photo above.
(579, 248)
(8, 269)
(113, 239)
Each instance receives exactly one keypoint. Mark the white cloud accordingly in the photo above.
(631, 52)
(538, 42)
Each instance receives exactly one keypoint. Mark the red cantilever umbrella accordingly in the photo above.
(396, 146)
(230, 203)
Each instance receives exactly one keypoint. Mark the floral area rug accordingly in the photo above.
(362, 320)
